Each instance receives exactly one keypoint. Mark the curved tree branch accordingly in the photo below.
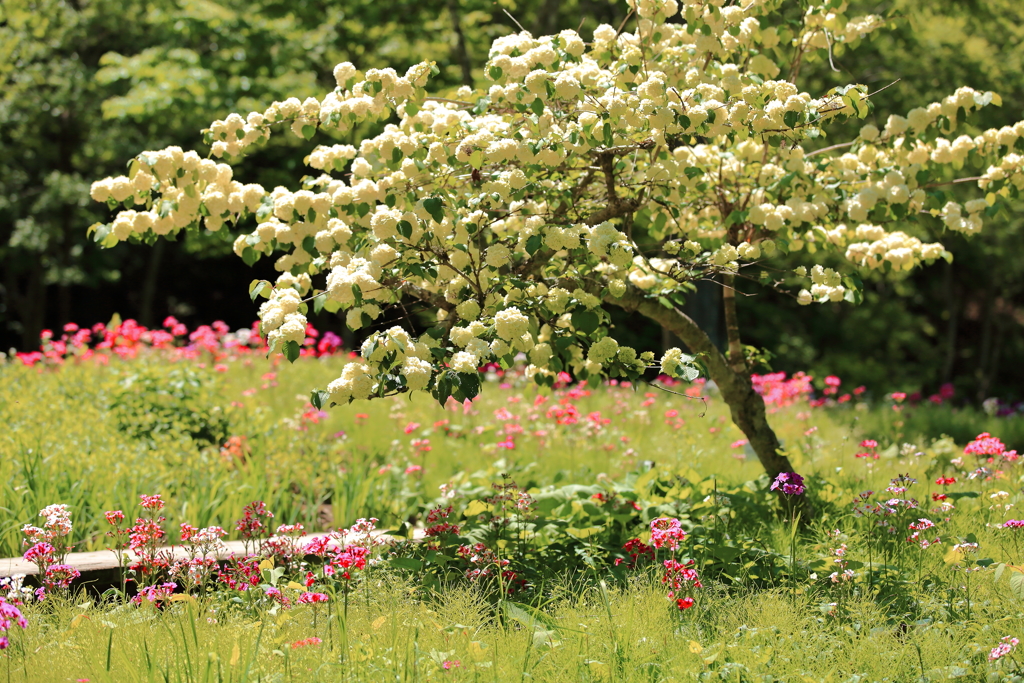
(745, 404)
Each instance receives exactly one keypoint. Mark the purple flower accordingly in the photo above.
(790, 483)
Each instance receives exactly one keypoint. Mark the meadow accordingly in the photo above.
(585, 533)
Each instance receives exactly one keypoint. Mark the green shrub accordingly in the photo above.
(171, 400)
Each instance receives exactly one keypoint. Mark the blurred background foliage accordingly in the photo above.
(86, 84)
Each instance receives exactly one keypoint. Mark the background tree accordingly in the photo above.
(954, 322)
(613, 174)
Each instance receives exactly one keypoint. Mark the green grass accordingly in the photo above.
(767, 611)
(586, 635)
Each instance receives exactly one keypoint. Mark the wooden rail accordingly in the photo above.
(100, 567)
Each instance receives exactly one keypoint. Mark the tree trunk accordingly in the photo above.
(30, 305)
(461, 53)
(149, 282)
(745, 405)
(737, 361)
(953, 303)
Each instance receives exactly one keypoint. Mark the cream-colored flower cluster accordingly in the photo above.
(900, 250)
(516, 211)
(280, 318)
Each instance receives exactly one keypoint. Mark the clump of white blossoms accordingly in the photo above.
(512, 213)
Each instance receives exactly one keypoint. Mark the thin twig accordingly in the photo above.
(623, 24)
(841, 145)
(884, 87)
(692, 398)
(952, 182)
(447, 101)
(828, 41)
(513, 20)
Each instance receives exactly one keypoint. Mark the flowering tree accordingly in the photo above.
(593, 175)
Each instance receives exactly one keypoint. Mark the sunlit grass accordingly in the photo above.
(911, 614)
(625, 634)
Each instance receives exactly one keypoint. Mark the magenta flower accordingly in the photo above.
(789, 483)
(666, 532)
(40, 553)
(9, 617)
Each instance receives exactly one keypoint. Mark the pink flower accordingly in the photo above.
(869, 443)
(114, 517)
(1005, 647)
(987, 445)
(738, 444)
(898, 396)
(412, 427)
(667, 532)
(305, 643)
(60, 576)
(153, 502)
(9, 617)
(789, 483)
(40, 552)
(155, 594)
(310, 598)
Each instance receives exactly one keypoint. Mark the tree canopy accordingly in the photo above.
(588, 175)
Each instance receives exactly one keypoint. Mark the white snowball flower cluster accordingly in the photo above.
(511, 324)
(356, 382)
(900, 250)
(827, 284)
(603, 351)
(358, 275)
(671, 362)
(280, 319)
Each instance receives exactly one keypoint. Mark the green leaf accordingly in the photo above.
(249, 256)
(405, 229)
(533, 243)
(291, 351)
(406, 563)
(692, 172)
(258, 288)
(101, 233)
(791, 118)
(1017, 584)
(319, 398)
(537, 106)
(585, 321)
(435, 207)
(495, 73)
